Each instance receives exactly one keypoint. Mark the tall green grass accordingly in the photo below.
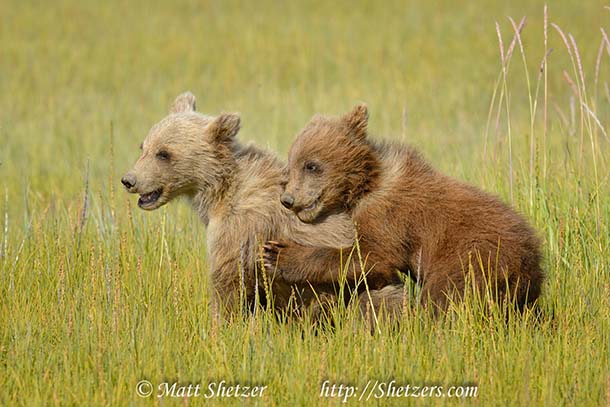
(96, 295)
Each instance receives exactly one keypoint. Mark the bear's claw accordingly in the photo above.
(271, 251)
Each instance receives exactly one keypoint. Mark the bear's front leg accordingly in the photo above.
(281, 259)
(295, 263)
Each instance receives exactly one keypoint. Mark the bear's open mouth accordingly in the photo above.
(308, 213)
(150, 198)
(311, 207)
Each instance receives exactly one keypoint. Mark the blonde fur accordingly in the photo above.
(235, 190)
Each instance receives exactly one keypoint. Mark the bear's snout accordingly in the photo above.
(129, 181)
(287, 200)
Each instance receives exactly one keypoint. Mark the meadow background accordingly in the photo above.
(96, 295)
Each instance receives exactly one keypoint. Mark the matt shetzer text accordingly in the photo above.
(220, 389)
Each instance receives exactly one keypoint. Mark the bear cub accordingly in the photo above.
(446, 235)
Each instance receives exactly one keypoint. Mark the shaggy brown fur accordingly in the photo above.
(235, 191)
(409, 218)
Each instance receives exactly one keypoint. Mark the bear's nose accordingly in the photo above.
(287, 200)
(129, 181)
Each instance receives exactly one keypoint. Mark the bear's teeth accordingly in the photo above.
(310, 207)
(150, 197)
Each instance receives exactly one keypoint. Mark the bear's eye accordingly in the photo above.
(163, 155)
(311, 167)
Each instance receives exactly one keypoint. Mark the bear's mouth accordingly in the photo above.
(309, 213)
(149, 199)
(311, 207)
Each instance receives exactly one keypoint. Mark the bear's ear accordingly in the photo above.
(357, 121)
(185, 102)
(225, 126)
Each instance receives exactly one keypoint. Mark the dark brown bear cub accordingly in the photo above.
(409, 218)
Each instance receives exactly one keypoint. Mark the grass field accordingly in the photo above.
(96, 295)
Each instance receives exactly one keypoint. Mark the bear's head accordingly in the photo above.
(330, 165)
(183, 154)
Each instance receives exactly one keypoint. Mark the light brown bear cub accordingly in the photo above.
(409, 218)
(234, 189)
